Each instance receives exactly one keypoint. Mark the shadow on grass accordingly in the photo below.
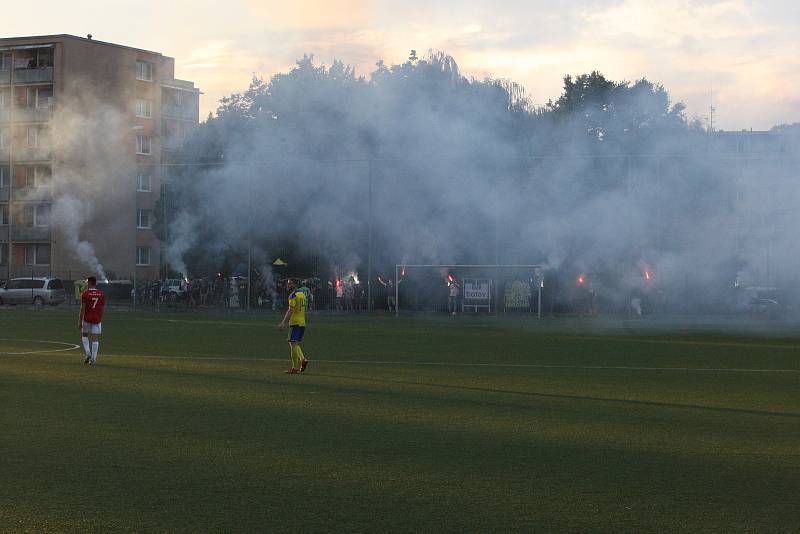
(530, 394)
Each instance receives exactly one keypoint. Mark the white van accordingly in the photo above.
(37, 291)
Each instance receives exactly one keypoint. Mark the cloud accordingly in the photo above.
(309, 15)
(744, 48)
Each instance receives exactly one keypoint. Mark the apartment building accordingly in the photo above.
(96, 121)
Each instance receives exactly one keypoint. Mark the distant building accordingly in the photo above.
(97, 121)
(757, 142)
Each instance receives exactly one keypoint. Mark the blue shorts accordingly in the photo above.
(296, 333)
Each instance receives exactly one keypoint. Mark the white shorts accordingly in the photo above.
(92, 328)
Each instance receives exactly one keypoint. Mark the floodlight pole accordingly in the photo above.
(249, 240)
(369, 239)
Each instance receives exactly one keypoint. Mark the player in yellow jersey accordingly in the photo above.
(296, 317)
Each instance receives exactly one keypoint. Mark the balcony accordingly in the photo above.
(30, 233)
(32, 193)
(31, 154)
(179, 112)
(32, 114)
(23, 271)
(44, 74)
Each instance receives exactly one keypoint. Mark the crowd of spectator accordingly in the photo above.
(335, 294)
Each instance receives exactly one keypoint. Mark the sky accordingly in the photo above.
(745, 53)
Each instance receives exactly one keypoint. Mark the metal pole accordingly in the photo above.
(135, 289)
(539, 303)
(369, 245)
(249, 240)
(165, 188)
(396, 291)
(630, 240)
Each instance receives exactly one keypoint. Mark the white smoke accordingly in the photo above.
(69, 214)
(182, 237)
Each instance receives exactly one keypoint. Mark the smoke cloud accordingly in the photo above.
(69, 214)
(428, 166)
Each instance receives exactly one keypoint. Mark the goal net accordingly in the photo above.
(459, 288)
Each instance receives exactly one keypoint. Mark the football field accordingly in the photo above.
(416, 424)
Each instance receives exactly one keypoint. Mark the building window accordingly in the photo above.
(44, 58)
(142, 255)
(5, 61)
(143, 219)
(33, 137)
(5, 98)
(24, 217)
(26, 97)
(41, 215)
(3, 214)
(30, 176)
(144, 71)
(4, 177)
(143, 108)
(25, 59)
(3, 253)
(44, 97)
(143, 145)
(36, 254)
(42, 175)
(143, 183)
(5, 138)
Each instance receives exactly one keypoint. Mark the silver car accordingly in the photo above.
(37, 291)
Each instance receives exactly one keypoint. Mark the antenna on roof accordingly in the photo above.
(89, 36)
(712, 110)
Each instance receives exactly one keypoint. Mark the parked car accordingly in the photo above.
(766, 302)
(769, 308)
(36, 291)
(172, 289)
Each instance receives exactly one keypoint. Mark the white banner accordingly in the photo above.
(476, 288)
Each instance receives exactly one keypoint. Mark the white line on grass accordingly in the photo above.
(463, 364)
(70, 346)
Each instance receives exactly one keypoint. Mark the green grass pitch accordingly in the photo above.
(415, 424)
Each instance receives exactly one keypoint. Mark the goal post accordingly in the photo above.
(479, 285)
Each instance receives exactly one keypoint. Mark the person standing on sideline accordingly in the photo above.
(90, 319)
(452, 300)
(307, 293)
(296, 317)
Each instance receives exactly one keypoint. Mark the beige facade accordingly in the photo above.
(96, 121)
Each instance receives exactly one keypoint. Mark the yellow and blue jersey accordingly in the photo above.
(297, 303)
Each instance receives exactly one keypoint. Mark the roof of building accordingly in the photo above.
(6, 41)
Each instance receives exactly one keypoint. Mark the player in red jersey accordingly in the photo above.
(91, 317)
